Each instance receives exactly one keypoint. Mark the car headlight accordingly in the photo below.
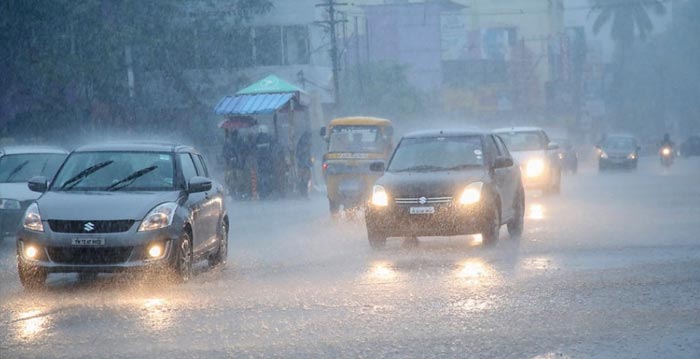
(603, 154)
(666, 151)
(535, 167)
(379, 196)
(471, 194)
(561, 156)
(9, 204)
(32, 219)
(159, 217)
(632, 156)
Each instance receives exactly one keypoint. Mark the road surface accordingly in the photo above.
(609, 269)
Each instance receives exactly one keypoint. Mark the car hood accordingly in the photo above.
(18, 191)
(101, 205)
(429, 184)
(521, 157)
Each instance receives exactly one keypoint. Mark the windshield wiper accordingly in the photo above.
(126, 181)
(16, 170)
(462, 166)
(422, 168)
(73, 181)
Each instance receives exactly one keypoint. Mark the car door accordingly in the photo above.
(195, 203)
(212, 207)
(505, 178)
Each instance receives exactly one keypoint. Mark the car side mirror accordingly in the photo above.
(199, 184)
(503, 162)
(322, 132)
(553, 146)
(38, 184)
(377, 167)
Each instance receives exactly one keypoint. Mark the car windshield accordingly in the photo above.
(355, 139)
(429, 154)
(524, 141)
(619, 143)
(21, 167)
(112, 171)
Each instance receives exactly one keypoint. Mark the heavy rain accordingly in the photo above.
(349, 179)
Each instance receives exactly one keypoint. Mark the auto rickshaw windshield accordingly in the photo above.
(353, 139)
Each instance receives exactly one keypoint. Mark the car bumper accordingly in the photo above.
(448, 220)
(617, 162)
(121, 251)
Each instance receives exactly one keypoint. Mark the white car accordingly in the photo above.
(537, 156)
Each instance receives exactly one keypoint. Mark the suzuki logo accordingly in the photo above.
(422, 200)
(88, 227)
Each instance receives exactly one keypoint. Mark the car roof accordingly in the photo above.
(448, 133)
(518, 129)
(16, 150)
(360, 121)
(136, 147)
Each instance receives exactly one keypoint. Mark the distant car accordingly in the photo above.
(568, 157)
(618, 151)
(17, 165)
(446, 183)
(691, 146)
(536, 155)
(119, 207)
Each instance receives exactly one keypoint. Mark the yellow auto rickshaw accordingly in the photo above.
(353, 143)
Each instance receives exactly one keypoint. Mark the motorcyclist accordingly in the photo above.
(666, 142)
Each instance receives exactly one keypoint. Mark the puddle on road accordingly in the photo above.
(30, 325)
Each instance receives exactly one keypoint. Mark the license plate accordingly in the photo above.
(422, 210)
(88, 242)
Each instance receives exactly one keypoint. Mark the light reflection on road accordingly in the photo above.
(382, 272)
(475, 271)
(30, 324)
(536, 211)
(158, 314)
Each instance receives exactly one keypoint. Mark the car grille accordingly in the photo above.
(96, 256)
(98, 226)
(426, 200)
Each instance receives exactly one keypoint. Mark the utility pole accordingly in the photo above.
(330, 6)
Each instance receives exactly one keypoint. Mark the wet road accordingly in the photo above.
(611, 268)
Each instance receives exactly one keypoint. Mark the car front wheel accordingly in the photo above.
(222, 254)
(376, 240)
(32, 278)
(182, 271)
(492, 225)
(515, 226)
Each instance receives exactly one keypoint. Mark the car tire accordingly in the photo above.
(31, 277)
(334, 207)
(556, 186)
(516, 225)
(182, 268)
(221, 256)
(376, 240)
(490, 234)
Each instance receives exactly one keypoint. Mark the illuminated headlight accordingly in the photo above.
(32, 219)
(30, 252)
(666, 151)
(632, 156)
(379, 196)
(9, 204)
(561, 156)
(155, 251)
(603, 154)
(160, 217)
(471, 194)
(534, 168)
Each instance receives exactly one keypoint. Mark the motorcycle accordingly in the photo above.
(666, 155)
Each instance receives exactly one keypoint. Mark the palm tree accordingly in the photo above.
(628, 18)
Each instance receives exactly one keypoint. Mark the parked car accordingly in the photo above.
(691, 146)
(119, 207)
(618, 151)
(446, 183)
(537, 156)
(18, 164)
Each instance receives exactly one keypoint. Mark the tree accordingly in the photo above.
(627, 19)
